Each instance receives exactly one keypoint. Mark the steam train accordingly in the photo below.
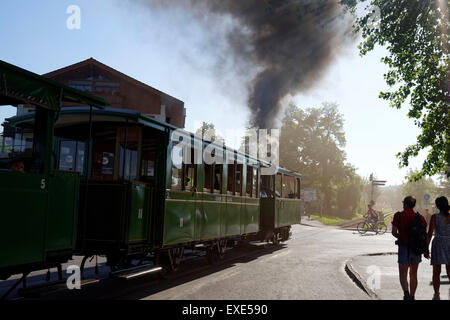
(103, 181)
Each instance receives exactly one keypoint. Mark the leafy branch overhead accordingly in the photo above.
(415, 33)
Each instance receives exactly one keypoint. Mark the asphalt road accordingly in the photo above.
(310, 266)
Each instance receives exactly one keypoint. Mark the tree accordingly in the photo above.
(312, 142)
(392, 197)
(416, 35)
(349, 193)
(208, 130)
(418, 189)
(444, 185)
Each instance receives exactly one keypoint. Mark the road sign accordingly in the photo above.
(427, 197)
(309, 194)
(379, 182)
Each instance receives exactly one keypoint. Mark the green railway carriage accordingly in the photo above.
(122, 184)
(137, 196)
(39, 207)
(280, 204)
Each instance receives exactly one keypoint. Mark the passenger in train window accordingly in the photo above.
(190, 181)
(217, 178)
(17, 165)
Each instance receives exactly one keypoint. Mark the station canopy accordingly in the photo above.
(20, 86)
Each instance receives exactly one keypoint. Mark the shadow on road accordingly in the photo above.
(145, 286)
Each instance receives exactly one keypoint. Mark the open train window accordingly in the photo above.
(177, 168)
(278, 189)
(266, 187)
(239, 168)
(208, 177)
(255, 183)
(288, 187)
(218, 176)
(248, 191)
(16, 143)
(190, 177)
(231, 174)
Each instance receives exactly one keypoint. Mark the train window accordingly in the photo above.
(288, 187)
(231, 174)
(128, 152)
(148, 156)
(207, 186)
(103, 156)
(278, 192)
(16, 143)
(266, 187)
(298, 188)
(177, 168)
(128, 162)
(148, 168)
(190, 180)
(248, 191)
(255, 183)
(71, 156)
(218, 176)
(239, 169)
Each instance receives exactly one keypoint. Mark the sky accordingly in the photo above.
(172, 53)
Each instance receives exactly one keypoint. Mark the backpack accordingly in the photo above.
(417, 236)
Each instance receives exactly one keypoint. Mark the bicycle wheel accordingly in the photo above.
(363, 227)
(382, 228)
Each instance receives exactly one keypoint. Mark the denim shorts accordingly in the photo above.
(406, 256)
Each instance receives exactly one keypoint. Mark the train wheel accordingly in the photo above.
(276, 238)
(212, 254)
(221, 247)
(170, 260)
(175, 257)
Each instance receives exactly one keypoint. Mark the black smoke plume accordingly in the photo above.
(290, 42)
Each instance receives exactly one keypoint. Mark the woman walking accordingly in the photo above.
(440, 249)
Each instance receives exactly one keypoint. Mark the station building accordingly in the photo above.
(94, 77)
(122, 91)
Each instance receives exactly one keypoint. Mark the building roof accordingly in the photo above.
(20, 86)
(92, 61)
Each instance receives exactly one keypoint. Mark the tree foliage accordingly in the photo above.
(418, 189)
(312, 142)
(208, 131)
(416, 35)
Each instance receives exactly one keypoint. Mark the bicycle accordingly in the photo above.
(378, 227)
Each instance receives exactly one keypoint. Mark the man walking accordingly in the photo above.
(407, 259)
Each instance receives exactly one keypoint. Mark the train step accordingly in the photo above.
(134, 272)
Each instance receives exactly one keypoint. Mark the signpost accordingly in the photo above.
(375, 183)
